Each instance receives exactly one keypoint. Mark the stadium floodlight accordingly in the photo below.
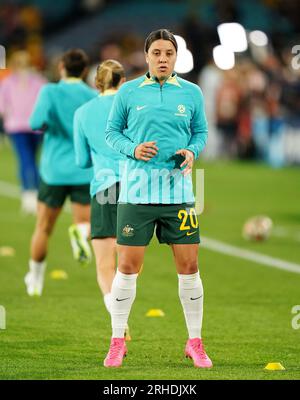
(258, 38)
(185, 62)
(181, 43)
(233, 36)
(223, 57)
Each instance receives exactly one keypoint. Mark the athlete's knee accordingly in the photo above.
(105, 266)
(44, 227)
(129, 267)
(189, 267)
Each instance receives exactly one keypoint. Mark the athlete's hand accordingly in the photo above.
(145, 151)
(189, 160)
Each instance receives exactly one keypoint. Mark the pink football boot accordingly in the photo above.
(194, 349)
(117, 351)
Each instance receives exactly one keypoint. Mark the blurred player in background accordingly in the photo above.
(18, 93)
(60, 177)
(158, 122)
(91, 149)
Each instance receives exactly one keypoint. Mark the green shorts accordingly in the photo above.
(104, 216)
(174, 223)
(55, 195)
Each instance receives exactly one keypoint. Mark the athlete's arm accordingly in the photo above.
(198, 125)
(81, 146)
(116, 124)
(39, 118)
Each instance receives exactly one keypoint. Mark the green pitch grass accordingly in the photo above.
(247, 321)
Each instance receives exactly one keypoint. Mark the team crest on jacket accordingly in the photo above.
(127, 231)
(181, 111)
(181, 108)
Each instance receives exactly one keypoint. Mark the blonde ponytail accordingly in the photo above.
(109, 74)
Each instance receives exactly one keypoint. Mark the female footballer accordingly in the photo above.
(91, 150)
(60, 177)
(158, 122)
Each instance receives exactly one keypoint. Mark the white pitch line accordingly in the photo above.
(12, 191)
(221, 247)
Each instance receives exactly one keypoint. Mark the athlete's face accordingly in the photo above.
(161, 58)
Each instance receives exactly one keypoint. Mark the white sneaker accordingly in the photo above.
(34, 281)
(30, 285)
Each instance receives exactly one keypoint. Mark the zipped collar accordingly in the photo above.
(150, 80)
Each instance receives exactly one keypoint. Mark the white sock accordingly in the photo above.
(191, 297)
(37, 267)
(107, 301)
(84, 229)
(29, 201)
(123, 292)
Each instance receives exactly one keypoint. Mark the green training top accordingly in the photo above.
(90, 146)
(54, 111)
(172, 115)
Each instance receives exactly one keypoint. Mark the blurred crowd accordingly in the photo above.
(253, 109)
